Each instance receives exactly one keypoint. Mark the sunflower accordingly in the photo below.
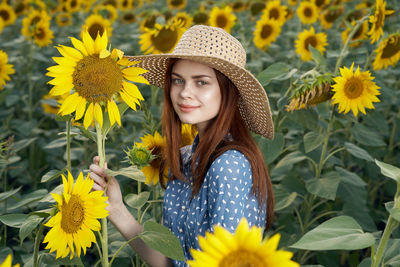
(329, 16)
(128, 17)
(161, 39)
(42, 35)
(5, 69)
(354, 90)
(155, 143)
(63, 19)
(320, 4)
(378, 20)
(360, 34)
(388, 52)
(96, 77)
(307, 12)
(8, 261)
(149, 21)
(1, 25)
(7, 14)
(185, 18)
(96, 24)
(266, 32)
(21, 7)
(275, 11)
(222, 18)
(108, 11)
(176, 4)
(256, 8)
(201, 17)
(31, 20)
(309, 37)
(72, 6)
(239, 6)
(243, 248)
(292, 2)
(188, 134)
(78, 210)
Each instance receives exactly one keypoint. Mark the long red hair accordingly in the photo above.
(213, 142)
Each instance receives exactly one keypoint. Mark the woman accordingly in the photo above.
(222, 177)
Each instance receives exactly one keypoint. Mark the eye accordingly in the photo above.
(177, 81)
(202, 82)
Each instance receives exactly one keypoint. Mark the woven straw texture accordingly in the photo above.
(217, 49)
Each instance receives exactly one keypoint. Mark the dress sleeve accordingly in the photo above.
(230, 191)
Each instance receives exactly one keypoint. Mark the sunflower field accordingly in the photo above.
(69, 93)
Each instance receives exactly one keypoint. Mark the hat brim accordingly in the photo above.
(253, 103)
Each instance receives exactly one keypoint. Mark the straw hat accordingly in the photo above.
(217, 49)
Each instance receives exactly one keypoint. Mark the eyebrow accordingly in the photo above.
(193, 77)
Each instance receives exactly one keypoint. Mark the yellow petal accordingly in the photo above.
(104, 53)
(88, 116)
(126, 62)
(133, 71)
(69, 52)
(98, 114)
(132, 90)
(128, 99)
(69, 104)
(79, 45)
(88, 42)
(60, 90)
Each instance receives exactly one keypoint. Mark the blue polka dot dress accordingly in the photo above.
(224, 198)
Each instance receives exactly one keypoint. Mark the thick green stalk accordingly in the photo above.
(69, 145)
(325, 144)
(104, 239)
(36, 247)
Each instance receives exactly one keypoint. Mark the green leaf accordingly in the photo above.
(28, 226)
(358, 152)
(325, 187)
(317, 56)
(86, 133)
(290, 159)
(17, 146)
(50, 259)
(272, 148)
(272, 72)
(9, 193)
(312, 140)
(29, 198)
(350, 177)
(160, 238)
(130, 172)
(60, 142)
(367, 136)
(4, 252)
(137, 201)
(339, 233)
(389, 170)
(392, 256)
(49, 197)
(51, 175)
(395, 212)
(284, 202)
(13, 220)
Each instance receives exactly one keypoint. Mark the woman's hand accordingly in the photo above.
(100, 178)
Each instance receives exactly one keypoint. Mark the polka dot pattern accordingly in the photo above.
(218, 49)
(224, 198)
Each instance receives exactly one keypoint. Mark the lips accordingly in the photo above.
(187, 108)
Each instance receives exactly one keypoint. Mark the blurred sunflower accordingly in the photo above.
(96, 76)
(354, 90)
(185, 18)
(1, 25)
(79, 209)
(128, 17)
(176, 4)
(354, 15)
(222, 18)
(388, 52)
(245, 247)
(155, 143)
(256, 8)
(189, 132)
(320, 4)
(292, 2)
(72, 6)
(201, 17)
(275, 11)
(124, 4)
(96, 24)
(5, 69)
(149, 21)
(20, 7)
(307, 12)
(329, 16)
(42, 34)
(31, 20)
(107, 11)
(239, 6)
(7, 14)
(378, 20)
(360, 34)
(266, 32)
(161, 39)
(63, 19)
(8, 261)
(309, 37)
(50, 103)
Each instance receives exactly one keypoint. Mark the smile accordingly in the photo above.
(187, 108)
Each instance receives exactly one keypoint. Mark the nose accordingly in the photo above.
(186, 91)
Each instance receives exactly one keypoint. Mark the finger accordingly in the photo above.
(96, 160)
(97, 179)
(99, 171)
(97, 187)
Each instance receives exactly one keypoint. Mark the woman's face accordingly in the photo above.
(195, 93)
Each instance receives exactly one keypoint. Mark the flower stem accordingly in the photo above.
(102, 155)
(325, 144)
(121, 247)
(69, 145)
(36, 247)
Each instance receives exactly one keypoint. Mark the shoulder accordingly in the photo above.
(230, 159)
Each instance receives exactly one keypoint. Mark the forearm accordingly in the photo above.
(129, 228)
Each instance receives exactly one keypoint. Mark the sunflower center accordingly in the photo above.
(4, 15)
(308, 12)
(40, 34)
(353, 87)
(94, 29)
(310, 41)
(392, 47)
(379, 20)
(176, 2)
(274, 13)
(256, 8)
(35, 20)
(97, 79)
(129, 17)
(331, 16)
(72, 214)
(241, 258)
(165, 40)
(150, 22)
(222, 21)
(266, 31)
(320, 3)
(73, 4)
(358, 33)
(200, 18)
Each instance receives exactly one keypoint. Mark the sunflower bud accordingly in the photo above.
(139, 156)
